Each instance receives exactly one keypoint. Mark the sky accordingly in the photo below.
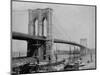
(70, 22)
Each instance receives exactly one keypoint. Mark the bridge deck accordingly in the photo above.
(22, 36)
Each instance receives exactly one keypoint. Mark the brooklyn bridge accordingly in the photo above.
(40, 43)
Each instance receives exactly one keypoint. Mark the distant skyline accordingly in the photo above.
(70, 22)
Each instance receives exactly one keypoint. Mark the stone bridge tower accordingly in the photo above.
(83, 41)
(40, 25)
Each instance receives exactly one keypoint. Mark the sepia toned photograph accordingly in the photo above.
(52, 37)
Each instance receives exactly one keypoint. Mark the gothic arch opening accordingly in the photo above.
(36, 27)
(44, 26)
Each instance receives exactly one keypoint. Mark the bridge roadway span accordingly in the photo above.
(22, 36)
